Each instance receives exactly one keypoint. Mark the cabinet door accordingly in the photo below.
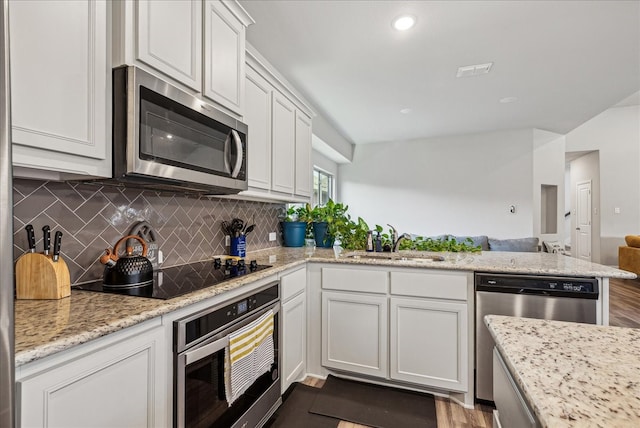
(283, 143)
(120, 385)
(224, 66)
(429, 343)
(294, 340)
(303, 155)
(354, 333)
(258, 117)
(60, 96)
(169, 38)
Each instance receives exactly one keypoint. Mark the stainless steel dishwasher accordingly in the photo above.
(543, 297)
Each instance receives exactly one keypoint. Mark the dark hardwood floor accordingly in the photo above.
(624, 311)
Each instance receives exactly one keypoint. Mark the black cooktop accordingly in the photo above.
(178, 280)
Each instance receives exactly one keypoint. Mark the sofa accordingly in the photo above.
(491, 244)
(629, 255)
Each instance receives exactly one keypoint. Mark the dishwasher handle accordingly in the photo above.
(534, 292)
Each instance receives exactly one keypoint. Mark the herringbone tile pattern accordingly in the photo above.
(93, 218)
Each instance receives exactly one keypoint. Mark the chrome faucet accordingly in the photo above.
(395, 239)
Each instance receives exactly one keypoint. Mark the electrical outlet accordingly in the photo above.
(227, 240)
(616, 210)
(272, 236)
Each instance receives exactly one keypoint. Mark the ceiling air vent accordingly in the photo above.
(474, 70)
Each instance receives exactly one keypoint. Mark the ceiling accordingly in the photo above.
(564, 61)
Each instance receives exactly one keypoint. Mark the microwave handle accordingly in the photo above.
(239, 150)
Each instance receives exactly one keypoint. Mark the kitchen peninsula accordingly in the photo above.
(55, 333)
(570, 374)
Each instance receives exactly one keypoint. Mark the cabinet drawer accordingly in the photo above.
(369, 281)
(293, 283)
(440, 285)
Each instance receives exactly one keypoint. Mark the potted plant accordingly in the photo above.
(294, 225)
(329, 221)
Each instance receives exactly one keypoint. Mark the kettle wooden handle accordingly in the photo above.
(145, 247)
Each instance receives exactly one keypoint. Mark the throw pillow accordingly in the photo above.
(517, 245)
(552, 246)
(633, 240)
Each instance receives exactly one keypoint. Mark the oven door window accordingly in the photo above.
(205, 404)
(173, 134)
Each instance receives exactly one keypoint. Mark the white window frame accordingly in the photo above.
(315, 192)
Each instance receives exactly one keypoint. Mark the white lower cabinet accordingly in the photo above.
(354, 332)
(116, 381)
(407, 326)
(294, 327)
(428, 342)
(294, 314)
(512, 409)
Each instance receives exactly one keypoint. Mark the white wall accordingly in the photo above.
(460, 185)
(324, 163)
(615, 133)
(549, 169)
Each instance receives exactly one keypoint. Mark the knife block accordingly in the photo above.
(39, 277)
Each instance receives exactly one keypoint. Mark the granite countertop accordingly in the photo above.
(488, 261)
(573, 375)
(44, 327)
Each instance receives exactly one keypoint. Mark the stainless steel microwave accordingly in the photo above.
(167, 139)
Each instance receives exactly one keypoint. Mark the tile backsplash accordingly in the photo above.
(93, 218)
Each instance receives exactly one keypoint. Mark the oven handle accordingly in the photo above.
(203, 351)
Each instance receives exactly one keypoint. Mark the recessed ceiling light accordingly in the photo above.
(404, 22)
(406, 111)
(507, 100)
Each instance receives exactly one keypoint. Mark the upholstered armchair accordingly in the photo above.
(629, 255)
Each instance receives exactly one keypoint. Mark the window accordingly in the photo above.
(322, 187)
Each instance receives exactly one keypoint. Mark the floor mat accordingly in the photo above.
(294, 412)
(374, 405)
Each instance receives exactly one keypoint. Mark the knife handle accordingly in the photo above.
(46, 232)
(31, 238)
(57, 240)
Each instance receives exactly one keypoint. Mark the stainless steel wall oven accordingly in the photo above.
(201, 342)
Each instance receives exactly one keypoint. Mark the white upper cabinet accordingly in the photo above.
(61, 100)
(199, 44)
(258, 117)
(279, 135)
(224, 53)
(303, 155)
(283, 143)
(170, 38)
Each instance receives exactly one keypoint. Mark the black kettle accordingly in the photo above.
(128, 271)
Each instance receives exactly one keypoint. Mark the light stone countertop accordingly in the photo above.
(573, 375)
(45, 327)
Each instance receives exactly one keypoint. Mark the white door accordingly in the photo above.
(283, 136)
(170, 39)
(583, 220)
(294, 340)
(355, 333)
(429, 342)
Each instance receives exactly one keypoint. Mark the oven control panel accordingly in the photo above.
(208, 322)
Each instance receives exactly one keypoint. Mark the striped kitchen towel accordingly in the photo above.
(250, 354)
